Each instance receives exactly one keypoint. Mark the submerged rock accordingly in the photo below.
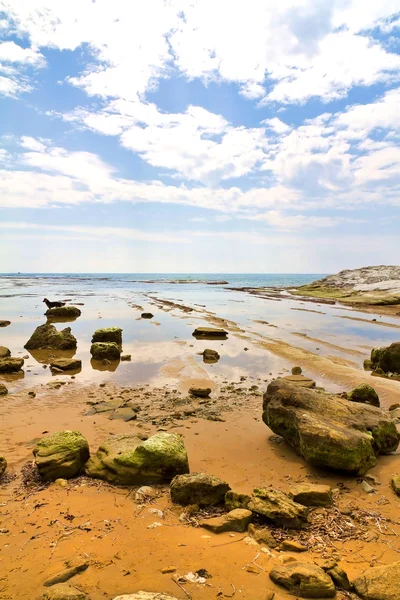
(125, 459)
(105, 351)
(64, 312)
(63, 591)
(379, 583)
(387, 358)
(210, 332)
(66, 364)
(329, 431)
(3, 466)
(126, 357)
(4, 323)
(4, 352)
(147, 315)
(278, 508)
(10, 364)
(296, 371)
(3, 390)
(304, 579)
(198, 488)
(235, 520)
(365, 394)
(112, 334)
(199, 392)
(210, 356)
(61, 455)
(47, 336)
(310, 494)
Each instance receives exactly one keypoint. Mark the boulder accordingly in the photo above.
(365, 394)
(310, 494)
(199, 392)
(125, 459)
(368, 365)
(63, 312)
(74, 567)
(278, 508)
(304, 580)
(235, 520)
(329, 431)
(146, 596)
(112, 334)
(387, 358)
(395, 483)
(210, 332)
(4, 352)
(236, 500)
(61, 455)
(3, 466)
(63, 591)
(292, 546)
(47, 336)
(66, 364)
(105, 351)
(262, 535)
(3, 390)
(296, 371)
(147, 315)
(126, 357)
(10, 364)
(210, 356)
(379, 583)
(198, 488)
(4, 323)
(338, 575)
(300, 380)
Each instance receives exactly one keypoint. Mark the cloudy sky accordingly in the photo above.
(199, 135)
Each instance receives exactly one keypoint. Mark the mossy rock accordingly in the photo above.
(112, 334)
(278, 508)
(4, 352)
(3, 390)
(61, 455)
(63, 312)
(125, 459)
(368, 365)
(198, 488)
(66, 364)
(235, 500)
(11, 365)
(105, 350)
(210, 333)
(365, 394)
(47, 336)
(387, 358)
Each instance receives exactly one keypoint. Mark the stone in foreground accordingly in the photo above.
(210, 356)
(63, 591)
(329, 431)
(112, 334)
(199, 392)
(379, 583)
(61, 455)
(3, 466)
(210, 332)
(235, 520)
(365, 394)
(304, 580)
(198, 488)
(146, 596)
(395, 483)
(105, 351)
(48, 337)
(11, 365)
(125, 459)
(278, 508)
(4, 352)
(3, 390)
(66, 364)
(310, 494)
(63, 312)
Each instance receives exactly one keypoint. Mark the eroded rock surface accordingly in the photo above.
(278, 508)
(4, 352)
(365, 394)
(304, 579)
(61, 455)
(63, 591)
(198, 488)
(145, 596)
(311, 494)
(105, 351)
(235, 520)
(47, 336)
(10, 364)
(63, 312)
(111, 334)
(379, 583)
(66, 364)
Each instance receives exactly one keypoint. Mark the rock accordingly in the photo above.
(63, 591)
(147, 315)
(126, 357)
(3, 390)
(210, 332)
(364, 393)
(10, 364)
(146, 596)
(112, 334)
(4, 323)
(47, 336)
(105, 351)
(3, 466)
(199, 392)
(379, 583)
(262, 535)
(292, 546)
(300, 380)
(338, 575)
(368, 365)
(126, 413)
(66, 364)
(236, 500)
(329, 431)
(395, 483)
(125, 459)
(296, 371)
(61, 482)
(387, 358)
(304, 579)
(198, 488)
(145, 493)
(368, 489)
(4, 352)
(210, 356)
(61, 455)
(394, 406)
(73, 568)
(310, 494)
(167, 570)
(235, 520)
(278, 508)
(63, 312)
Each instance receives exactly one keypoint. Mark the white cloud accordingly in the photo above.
(11, 87)
(276, 125)
(11, 52)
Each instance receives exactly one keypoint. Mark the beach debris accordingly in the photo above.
(154, 525)
(63, 591)
(110, 334)
(311, 494)
(4, 323)
(47, 336)
(105, 351)
(73, 568)
(365, 394)
(3, 390)
(329, 431)
(379, 582)
(4, 352)
(210, 333)
(198, 488)
(304, 579)
(236, 500)
(63, 312)
(235, 520)
(66, 364)
(3, 466)
(200, 392)
(61, 455)
(210, 356)
(11, 365)
(278, 508)
(147, 315)
(156, 511)
(167, 570)
(395, 483)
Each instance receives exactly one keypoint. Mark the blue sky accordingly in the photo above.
(199, 136)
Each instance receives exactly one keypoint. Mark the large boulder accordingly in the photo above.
(4, 352)
(3, 466)
(329, 431)
(365, 394)
(47, 336)
(277, 508)
(210, 356)
(10, 364)
(61, 455)
(379, 583)
(63, 312)
(4, 323)
(105, 350)
(198, 488)
(387, 358)
(304, 580)
(112, 334)
(125, 459)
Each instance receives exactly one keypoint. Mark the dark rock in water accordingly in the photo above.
(235, 520)
(296, 371)
(5, 323)
(66, 364)
(210, 333)
(63, 591)
(304, 579)
(379, 583)
(4, 352)
(199, 392)
(210, 356)
(387, 358)
(365, 394)
(105, 351)
(112, 334)
(310, 494)
(47, 336)
(10, 364)
(61, 455)
(3, 390)
(126, 357)
(3, 465)
(329, 431)
(198, 488)
(235, 500)
(395, 483)
(75, 567)
(278, 508)
(63, 312)
(124, 459)
(147, 315)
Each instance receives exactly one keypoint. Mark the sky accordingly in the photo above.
(200, 136)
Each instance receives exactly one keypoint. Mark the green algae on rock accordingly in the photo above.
(365, 394)
(278, 508)
(63, 312)
(47, 336)
(4, 352)
(387, 358)
(111, 334)
(61, 455)
(66, 364)
(11, 365)
(395, 483)
(236, 500)
(3, 390)
(198, 488)
(124, 459)
(105, 350)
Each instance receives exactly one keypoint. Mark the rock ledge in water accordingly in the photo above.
(112, 334)
(10, 364)
(47, 336)
(105, 351)
(210, 332)
(63, 312)
(66, 364)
